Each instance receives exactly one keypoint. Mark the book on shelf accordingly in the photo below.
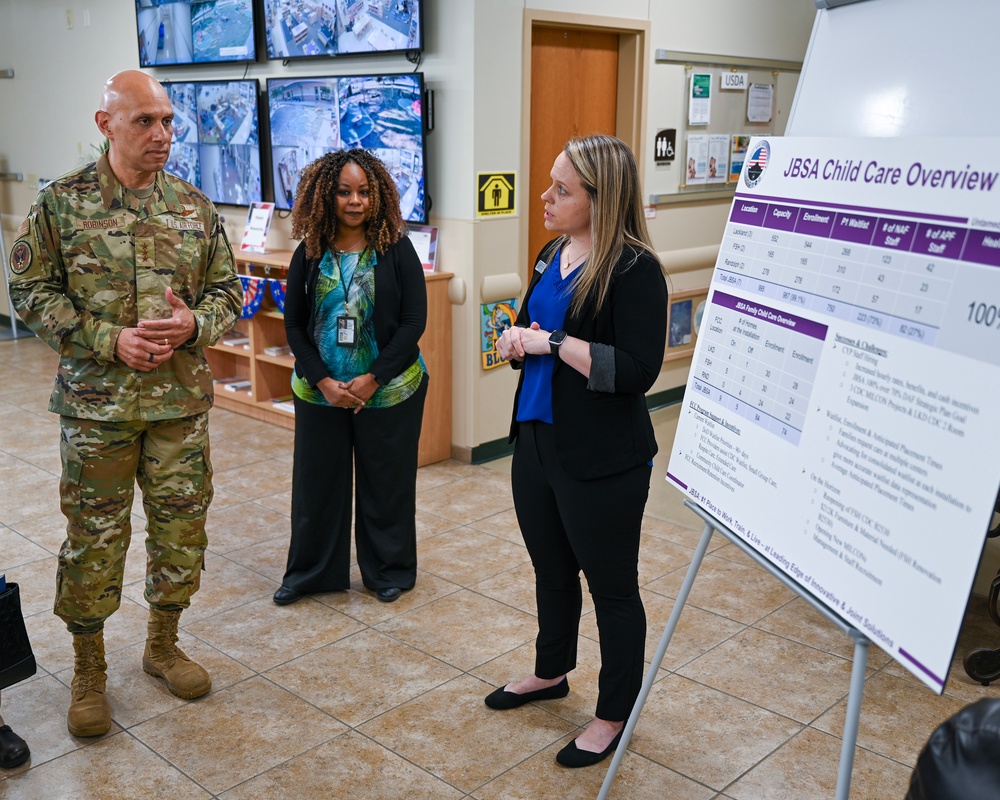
(286, 405)
(278, 350)
(228, 379)
(234, 341)
(238, 386)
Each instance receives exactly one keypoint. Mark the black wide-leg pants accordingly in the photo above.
(376, 452)
(593, 525)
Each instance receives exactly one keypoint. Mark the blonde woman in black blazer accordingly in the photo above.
(589, 339)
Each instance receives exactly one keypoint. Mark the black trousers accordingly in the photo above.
(594, 525)
(376, 450)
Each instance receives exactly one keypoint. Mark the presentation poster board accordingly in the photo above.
(841, 412)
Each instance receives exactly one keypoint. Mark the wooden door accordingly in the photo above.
(574, 92)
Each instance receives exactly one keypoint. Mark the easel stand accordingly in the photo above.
(861, 643)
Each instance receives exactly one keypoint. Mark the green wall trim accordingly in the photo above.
(490, 451)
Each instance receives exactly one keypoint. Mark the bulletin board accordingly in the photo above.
(728, 111)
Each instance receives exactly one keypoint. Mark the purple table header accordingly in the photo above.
(982, 247)
(857, 228)
(749, 212)
(751, 308)
(781, 217)
(815, 223)
(943, 241)
(896, 234)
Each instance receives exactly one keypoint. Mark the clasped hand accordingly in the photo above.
(515, 343)
(153, 341)
(354, 393)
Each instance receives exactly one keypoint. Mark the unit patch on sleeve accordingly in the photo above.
(20, 258)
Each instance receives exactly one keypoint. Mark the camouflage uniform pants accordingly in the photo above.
(101, 463)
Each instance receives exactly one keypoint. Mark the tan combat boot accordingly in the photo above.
(89, 709)
(164, 659)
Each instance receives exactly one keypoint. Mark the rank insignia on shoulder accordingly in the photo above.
(20, 257)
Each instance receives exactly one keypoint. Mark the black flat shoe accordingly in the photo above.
(389, 595)
(501, 699)
(13, 749)
(572, 756)
(285, 596)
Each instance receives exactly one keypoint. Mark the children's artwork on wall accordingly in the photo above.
(496, 318)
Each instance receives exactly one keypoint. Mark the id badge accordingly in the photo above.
(347, 331)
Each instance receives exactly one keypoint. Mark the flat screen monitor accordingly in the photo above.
(311, 28)
(194, 31)
(216, 144)
(381, 113)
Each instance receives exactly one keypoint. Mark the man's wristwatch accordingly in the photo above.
(556, 338)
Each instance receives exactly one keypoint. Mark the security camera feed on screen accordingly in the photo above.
(194, 31)
(216, 143)
(310, 28)
(381, 113)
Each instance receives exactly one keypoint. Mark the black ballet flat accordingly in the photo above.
(572, 756)
(285, 596)
(13, 749)
(388, 595)
(502, 700)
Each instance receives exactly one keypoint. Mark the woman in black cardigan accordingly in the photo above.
(355, 308)
(589, 339)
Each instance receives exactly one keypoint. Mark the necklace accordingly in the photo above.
(351, 248)
(570, 265)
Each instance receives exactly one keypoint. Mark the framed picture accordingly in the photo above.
(683, 320)
(424, 239)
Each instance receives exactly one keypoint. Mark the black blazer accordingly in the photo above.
(601, 433)
(400, 312)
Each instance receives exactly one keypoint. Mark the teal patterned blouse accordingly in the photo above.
(346, 287)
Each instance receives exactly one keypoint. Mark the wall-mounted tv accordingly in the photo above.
(381, 113)
(216, 144)
(194, 31)
(311, 28)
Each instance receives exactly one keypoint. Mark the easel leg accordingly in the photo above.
(654, 666)
(853, 715)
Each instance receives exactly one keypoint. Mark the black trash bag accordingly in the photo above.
(17, 662)
(961, 760)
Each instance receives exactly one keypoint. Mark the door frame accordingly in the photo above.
(633, 83)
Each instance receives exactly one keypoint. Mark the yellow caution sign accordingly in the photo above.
(496, 193)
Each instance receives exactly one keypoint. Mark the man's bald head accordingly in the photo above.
(137, 118)
(129, 87)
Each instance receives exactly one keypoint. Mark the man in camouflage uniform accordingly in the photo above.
(126, 271)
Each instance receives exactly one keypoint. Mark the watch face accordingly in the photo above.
(556, 338)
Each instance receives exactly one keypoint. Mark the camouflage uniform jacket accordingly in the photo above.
(91, 259)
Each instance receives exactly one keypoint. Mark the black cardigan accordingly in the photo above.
(400, 312)
(601, 433)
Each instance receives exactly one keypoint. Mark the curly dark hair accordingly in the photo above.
(314, 216)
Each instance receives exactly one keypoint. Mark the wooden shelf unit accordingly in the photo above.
(270, 376)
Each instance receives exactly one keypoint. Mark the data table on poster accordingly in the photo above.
(884, 271)
(844, 378)
(759, 363)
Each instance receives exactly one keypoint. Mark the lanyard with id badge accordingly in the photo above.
(347, 325)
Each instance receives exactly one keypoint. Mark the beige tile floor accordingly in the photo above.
(341, 696)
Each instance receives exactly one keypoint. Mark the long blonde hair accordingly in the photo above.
(609, 174)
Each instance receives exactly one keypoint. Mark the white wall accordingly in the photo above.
(472, 61)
